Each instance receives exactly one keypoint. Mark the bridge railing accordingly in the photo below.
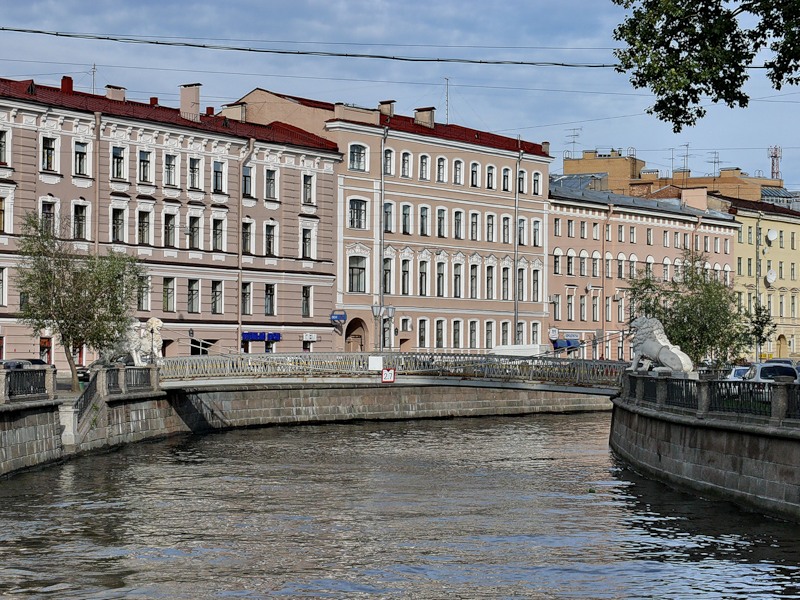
(469, 366)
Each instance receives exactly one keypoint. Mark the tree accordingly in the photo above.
(683, 50)
(83, 298)
(698, 312)
(760, 327)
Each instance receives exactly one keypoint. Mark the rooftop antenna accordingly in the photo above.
(715, 162)
(447, 101)
(94, 71)
(775, 153)
(574, 134)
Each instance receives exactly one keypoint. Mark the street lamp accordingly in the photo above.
(379, 311)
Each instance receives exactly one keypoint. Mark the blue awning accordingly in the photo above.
(566, 344)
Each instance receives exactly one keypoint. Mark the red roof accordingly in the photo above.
(456, 133)
(766, 207)
(278, 133)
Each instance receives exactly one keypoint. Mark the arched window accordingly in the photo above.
(458, 172)
(537, 183)
(358, 157)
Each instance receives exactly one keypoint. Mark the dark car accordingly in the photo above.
(85, 371)
(38, 362)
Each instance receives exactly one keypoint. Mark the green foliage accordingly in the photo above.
(698, 312)
(685, 50)
(760, 325)
(84, 299)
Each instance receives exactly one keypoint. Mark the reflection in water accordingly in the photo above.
(531, 507)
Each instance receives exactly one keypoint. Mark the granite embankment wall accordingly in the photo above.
(51, 432)
(750, 461)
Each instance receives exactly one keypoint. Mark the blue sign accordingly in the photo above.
(254, 336)
(273, 337)
(338, 316)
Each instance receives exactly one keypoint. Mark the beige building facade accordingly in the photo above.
(441, 230)
(234, 222)
(599, 242)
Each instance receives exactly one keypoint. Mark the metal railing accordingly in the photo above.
(85, 399)
(741, 397)
(471, 366)
(138, 378)
(682, 393)
(25, 382)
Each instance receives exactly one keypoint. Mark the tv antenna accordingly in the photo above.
(574, 134)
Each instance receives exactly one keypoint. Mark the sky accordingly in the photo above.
(574, 108)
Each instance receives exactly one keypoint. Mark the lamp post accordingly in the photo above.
(378, 313)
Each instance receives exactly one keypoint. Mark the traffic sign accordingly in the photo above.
(388, 375)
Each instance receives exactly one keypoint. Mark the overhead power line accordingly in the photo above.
(413, 59)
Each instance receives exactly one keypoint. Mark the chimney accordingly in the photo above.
(546, 148)
(66, 84)
(424, 116)
(153, 101)
(190, 101)
(386, 107)
(115, 92)
(209, 111)
(236, 110)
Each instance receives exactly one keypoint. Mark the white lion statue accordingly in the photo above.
(138, 342)
(650, 342)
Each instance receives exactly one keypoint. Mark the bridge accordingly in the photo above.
(601, 377)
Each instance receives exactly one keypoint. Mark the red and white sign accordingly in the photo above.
(387, 375)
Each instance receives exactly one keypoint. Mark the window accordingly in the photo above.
(358, 214)
(247, 237)
(308, 189)
(458, 172)
(217, 233)
(490, 177)
(595, 231)
(405, 164)
(504, 332)
(608, 233)
(490, 282)
(388, 217)
(473, 174)
(489, 228)
(457, 280)
(246, 298)
(520, 284)
(143, 227)
(247, 182)
(570, 264)
(677, 240)
(440, 280)
(170, 169)
(169, 230)
(405, 275)
(405, 219)
(570, 228)
(649, 236)
(423, 220)
(79, 222)
(168, 294)
(441, 216)
(4, 148)
(423, 167)
(570, 308)
(117, 224)
(48, 154)
(620, 233)
(506, 180)
(504, 276)
(506, 231)
(269, 299)
(358, 157)
(456, 334)
(193, 296)
(535, 277)
(458, 218)
(387, 275)
(216, 297)
(194, 173)
(422, 333)
(194, 233)
(473, 281)
(306, 250)
(388, 162)
(305, 301)
(521, 232)
(81, 158)
(557, 263)
(218, 177)
(441, 170)
(143, 293)
(423, 278)
(557, 227)
(144, 166)
(632, 236)
(521, 181)
(537, 183)
(489, 334)
(117, 163)
(357, 274)
(537, 234)
(473, 334)
(440, 333)
(270, 184)
(595, 308)
(474, 225)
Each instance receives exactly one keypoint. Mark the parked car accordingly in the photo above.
(16, 363)
(38, 362)
(780, 361)
(767, 372)
(736, 373)
(85, 371)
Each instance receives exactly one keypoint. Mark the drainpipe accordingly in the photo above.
(251, 144)
(516, 248)
(758, 277)
(379, 320)
(604, 278)
(96, 173)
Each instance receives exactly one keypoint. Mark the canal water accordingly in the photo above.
(533, 507)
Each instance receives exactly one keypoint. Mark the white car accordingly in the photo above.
(736, 373)
(769, 372)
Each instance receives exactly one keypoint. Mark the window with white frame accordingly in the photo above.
(247, 182)
(457, 333)
(170, 229)
(405, 164)
(195, 232)
(49, 153)
(537, 184)
(306, 301)
(424, 225)
(440, 279)
(536, 277)
(439, 342)
(5, 138)
(271, 239)
(388, 161)
(441, 222)
(422, 333)
(504, 283)
(423, 167)
(388, 217)
(474, 226)
(506, 180)
(79, 221)
(387, 276)
(218, 177)
(490, 282)
(358, 157)
(473, 281)
(195, 174)
(247, 237)
(405, 277)
(474, 175)
(170, 170)
(357, 274)
(309, 189)
(473, 334)
(489, 228)
(216, 297)
(119, 225)
(145, 166)
(119, 166)
(168, 294)
(458, 172)
(144, 227)
(488, 335)
(270, 184)
(457, 280)
(506, 230)
(405, 219)
(270, 296)
(143, 293)
(422, 287)
(217, 234)
(358, 214)
(441, 170)
(537, 234)
(521, 176)
(490, 177)
(246, 298)
(193, 295)
(308, 249)
(81, 159)
(458, 224)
